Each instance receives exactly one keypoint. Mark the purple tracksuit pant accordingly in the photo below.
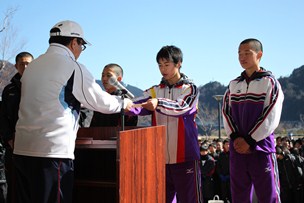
(258, 171)
(184, 181)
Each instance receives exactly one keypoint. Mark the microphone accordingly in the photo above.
(114, 82)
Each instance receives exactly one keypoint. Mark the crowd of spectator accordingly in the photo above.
(290, 157)
(215, 169)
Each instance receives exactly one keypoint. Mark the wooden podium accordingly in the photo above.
(120, 166)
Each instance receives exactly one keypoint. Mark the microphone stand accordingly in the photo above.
(122, 111)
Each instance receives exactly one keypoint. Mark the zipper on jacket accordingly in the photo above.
(168, 137)
(170, 96)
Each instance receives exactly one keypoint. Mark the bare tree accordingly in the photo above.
(203, 115)
(301, 120)
(9, 45)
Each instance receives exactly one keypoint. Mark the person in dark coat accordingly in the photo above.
(290, 184)
(207, 171)
(9, 116)
(224, 172)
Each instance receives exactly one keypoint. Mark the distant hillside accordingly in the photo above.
(293, 88)
(208, 106)
(6, 73)
(208, 91)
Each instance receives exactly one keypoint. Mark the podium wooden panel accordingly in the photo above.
(120, 166)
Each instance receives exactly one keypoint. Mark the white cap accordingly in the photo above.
(69, 29)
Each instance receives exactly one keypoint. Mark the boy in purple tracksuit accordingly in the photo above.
(252, 108)
(173, 103)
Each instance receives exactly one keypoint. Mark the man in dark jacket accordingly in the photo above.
(9, 116)
(290, 187)
(224, 172)
(207, 171)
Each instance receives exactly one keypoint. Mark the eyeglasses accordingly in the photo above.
(83, 47)
(82, 43)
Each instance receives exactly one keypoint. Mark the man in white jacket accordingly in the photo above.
(53, 88)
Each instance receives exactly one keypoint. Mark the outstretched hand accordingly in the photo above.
(150, 105)
(129, 104)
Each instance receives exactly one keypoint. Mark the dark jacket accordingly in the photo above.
(207, 166)
(207, 171)
(223, 166)
(8, 119)
(9, 109)
(291, 188)
(287, 172)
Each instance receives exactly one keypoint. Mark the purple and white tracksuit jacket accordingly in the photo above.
(176, 109)
(252, 110)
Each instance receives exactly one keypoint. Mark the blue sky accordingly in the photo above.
(131, 32)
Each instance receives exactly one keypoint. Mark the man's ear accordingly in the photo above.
(72, 44)
(119, 78)
(259, 55)
(179, 65)
(16, 66)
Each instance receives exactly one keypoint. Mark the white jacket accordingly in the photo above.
(176, 109)
(53, 87)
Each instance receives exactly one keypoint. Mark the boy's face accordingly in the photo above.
(249, 58)
(211, 148)
(106, 74)
(169, 70)
(203, 152)
(219, 146)
(297, 145)
(22, 63)
(278, 142)
(226, 146)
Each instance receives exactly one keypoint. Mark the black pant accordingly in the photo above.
(43, 180)
(9, 175)
(3, 189)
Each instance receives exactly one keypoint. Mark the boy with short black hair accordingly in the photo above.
(9, 116)
(251, 112)
(173, 103)
(102, 119)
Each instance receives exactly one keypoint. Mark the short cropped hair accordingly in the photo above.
(23, 54)
(171, 53)
(256, 44)
(225, 141)
(279, 150)
(117, 68)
